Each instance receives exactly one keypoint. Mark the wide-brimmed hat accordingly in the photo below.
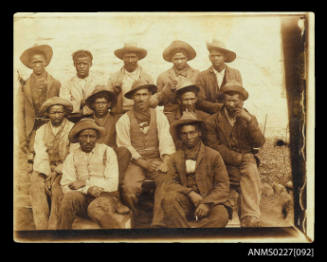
(46, 50)
(101, 90)
(185, 86)
(131, 48)
(220, 46)
(235, 86)
(186, 119)
(140, 84)
(175, 46)
(56, 100)
(85, 123)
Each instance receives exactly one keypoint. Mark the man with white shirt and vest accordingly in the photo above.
(144, 131)
(90, 180)
(51, 147)
(79, 87)
(215, 77)
(121, 82)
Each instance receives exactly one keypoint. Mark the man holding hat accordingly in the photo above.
(235, 133)
(101, 101)
(51, 147)
(33, 93)
(90, 179)
(178, 53)
(144, 131)
(199, 190)
(80, 86)
(215, 77)
(121, 82)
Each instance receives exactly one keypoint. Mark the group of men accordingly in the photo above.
(94, 144)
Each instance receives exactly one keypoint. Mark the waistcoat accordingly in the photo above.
(147, 145)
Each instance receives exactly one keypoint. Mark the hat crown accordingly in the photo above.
(189, 116)
(99, 88)
(139, 82)
(184, 83)
(216, 43)
(56, 100)
(232, 83)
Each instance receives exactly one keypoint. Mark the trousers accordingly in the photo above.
(179, 213)
(245, 179)
(123, 158)
(100, 210)
(45, 201)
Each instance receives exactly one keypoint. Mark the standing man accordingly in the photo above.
(121, 82)
(101, 101)
(178, 53)
(36, 90)
(234, 133)
(144, 131)
(198, 194)
(215, 77)
(90, 180)
(51, 147)
(79, 87)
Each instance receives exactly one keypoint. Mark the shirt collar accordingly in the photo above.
(182, 72)
(135, 72)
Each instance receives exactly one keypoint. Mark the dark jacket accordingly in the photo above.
(210, 99)
(232, 142)
(210, 175)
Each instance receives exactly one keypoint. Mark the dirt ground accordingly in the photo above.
(276, 202)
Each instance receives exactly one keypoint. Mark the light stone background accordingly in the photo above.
(256, 39)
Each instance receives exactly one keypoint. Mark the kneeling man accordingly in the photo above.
(90, 179)
(197, 195)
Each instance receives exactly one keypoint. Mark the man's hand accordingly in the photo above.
(202, 210)
(154, 165)
(95, 191)
(77, 184)
(241, 113)
(195, 198)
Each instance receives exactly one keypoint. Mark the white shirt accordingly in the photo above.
(166, 143)
(93, 167)
(128, 79)
(220, 76)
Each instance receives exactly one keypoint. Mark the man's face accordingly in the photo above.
(56, 114)
(142, 99)
(217, 58)
(82, 65)
(87, 139)
(130, 61)
(232, 102)
(38, 64)
(190, 135)
(179, 60)
(188, 100)
(101, 106)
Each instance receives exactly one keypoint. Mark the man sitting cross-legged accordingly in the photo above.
(90, 180)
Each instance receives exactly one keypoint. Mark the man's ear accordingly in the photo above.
(200, 133)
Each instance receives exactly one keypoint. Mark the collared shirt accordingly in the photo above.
(220, 76)
(166, 143)
(127, 82)
(97, 168)
(76, 90)
(41, 161)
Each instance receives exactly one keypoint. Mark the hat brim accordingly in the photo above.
(45, 106)
(243, 93)
(229, 55)
(152, 88)
(112, 98)
(141, 53)
(192, 88)
(179, 123)
(171, 50)
(74, 132)
(44, 49)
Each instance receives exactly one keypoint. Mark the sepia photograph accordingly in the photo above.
(163, 127)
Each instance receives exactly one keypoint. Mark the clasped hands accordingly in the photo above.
(202, 209)
(94, 191)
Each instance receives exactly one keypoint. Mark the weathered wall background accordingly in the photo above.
(256, 40)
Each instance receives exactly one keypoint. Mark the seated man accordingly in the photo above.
(144, 131)
(198, 193)
(51, 147)
(90, 180)
(100, 101)
(234, 133)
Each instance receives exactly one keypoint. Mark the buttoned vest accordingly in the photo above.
(147, 145)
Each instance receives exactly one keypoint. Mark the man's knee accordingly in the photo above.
(171, 199)
(123, 154)
(219, 214)
(70, 199)
(101, 205)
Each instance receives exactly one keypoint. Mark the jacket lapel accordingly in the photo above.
(200, 180)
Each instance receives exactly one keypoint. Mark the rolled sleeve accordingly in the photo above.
(41, 160)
